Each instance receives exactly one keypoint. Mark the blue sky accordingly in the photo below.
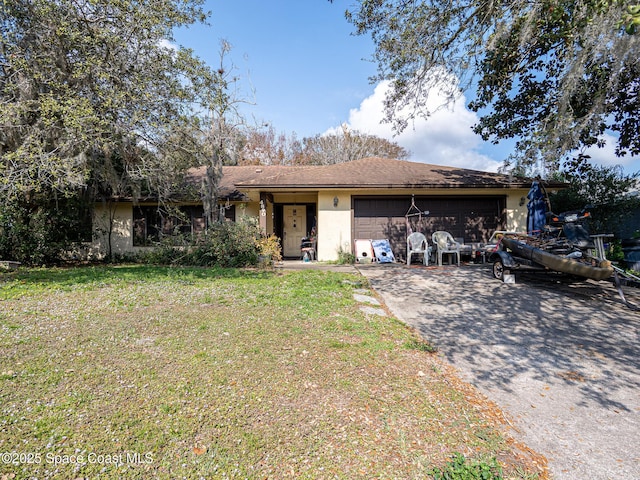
(305, 66)
(306, 73)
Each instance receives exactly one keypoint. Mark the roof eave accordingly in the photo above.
(421, 186)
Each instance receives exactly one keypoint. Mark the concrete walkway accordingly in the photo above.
(300, 265)
(561, 359)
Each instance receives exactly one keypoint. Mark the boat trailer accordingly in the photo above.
(526, 257)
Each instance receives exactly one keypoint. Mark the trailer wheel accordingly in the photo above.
(498, 269)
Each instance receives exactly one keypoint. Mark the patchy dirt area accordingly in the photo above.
(560, 358)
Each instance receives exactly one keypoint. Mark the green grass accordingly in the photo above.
(148, 372)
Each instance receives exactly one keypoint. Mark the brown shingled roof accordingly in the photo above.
(370, 172)
(232, 176)
(366, 173)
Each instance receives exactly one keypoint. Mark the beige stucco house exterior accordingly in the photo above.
(363, 199)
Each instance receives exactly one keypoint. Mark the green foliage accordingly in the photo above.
(604, 189)
(96, 97)
(615, 252)
(224, 244)
(459, 468)
(165, 252)
(556, 75)
(228, 244)
(345, 257)
(40, 233)
(420, 345)
(86, 83)
(631, 19)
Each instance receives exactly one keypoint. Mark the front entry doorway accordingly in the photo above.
(294, 229)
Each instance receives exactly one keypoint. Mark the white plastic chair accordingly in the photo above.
(445, 244)
(417, 244)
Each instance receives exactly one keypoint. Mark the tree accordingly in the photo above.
(604, 189)
(98, 104)
(348, 145)
(555, 74)
(223, 135)
(41, 231)
(85, 82)
(263, 146)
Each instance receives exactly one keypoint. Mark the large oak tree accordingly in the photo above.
(93, 91)
(554, 74)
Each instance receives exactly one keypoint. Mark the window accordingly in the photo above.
(152, 223)
(230, 213)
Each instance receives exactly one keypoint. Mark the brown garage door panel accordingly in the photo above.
(473, 219)
(391, 228)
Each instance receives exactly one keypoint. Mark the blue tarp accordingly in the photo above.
(537, 209)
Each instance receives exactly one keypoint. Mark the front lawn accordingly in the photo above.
(150, 372)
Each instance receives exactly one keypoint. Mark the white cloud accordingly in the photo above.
(606, 155)
(445, 138)
(164, 43)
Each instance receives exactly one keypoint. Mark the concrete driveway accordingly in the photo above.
(561, 359)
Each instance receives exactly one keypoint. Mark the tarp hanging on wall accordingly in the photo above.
(536, 209)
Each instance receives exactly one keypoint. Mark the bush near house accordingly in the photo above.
(226, 244)
(40, 235)
(36, 233)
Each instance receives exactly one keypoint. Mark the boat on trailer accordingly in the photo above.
(519, 251)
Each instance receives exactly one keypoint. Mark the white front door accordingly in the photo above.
(295, 228)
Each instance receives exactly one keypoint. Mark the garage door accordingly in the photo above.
(472, 218)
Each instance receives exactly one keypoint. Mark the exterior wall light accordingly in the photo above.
(335, 201)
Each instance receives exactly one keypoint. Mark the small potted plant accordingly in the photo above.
(269, 250)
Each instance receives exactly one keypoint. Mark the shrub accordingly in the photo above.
(345, 257)
(614, 252)
(39, 233)
(165, 252)
(269, 246)
(459, 468)
(227, 244)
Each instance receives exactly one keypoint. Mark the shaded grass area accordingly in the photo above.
(149, 372)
